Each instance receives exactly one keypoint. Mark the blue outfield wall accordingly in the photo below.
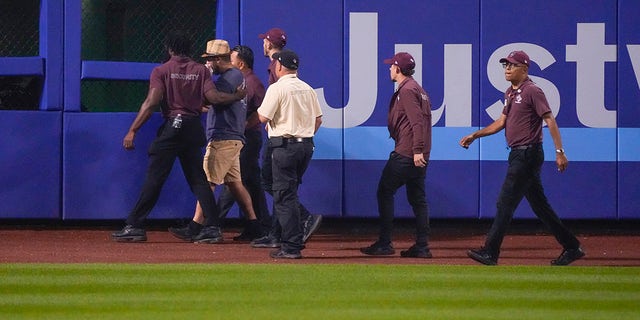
(585, 56)
(31, 172)
(628, 96)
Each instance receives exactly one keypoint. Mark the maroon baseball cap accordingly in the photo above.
(403, 60)
(275, 36)
(517, 57)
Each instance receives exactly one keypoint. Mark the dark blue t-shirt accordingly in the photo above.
(227, 121)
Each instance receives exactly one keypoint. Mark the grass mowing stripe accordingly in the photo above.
(167, 291)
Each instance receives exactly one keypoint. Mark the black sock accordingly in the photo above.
(194, 227)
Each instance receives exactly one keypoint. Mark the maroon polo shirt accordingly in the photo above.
(409, 119)
(272, 72)
(255, 94)
(183, 83)
(524, 108)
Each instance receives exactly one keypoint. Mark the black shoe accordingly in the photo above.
(208, 234)
(267, 241)
(378, 249)
(281, 254)
(310, 226)
(568, 256)
(417, 252)
(252, 231)
(183, 233)
(130, 234)
(483, 256)
(247, 236)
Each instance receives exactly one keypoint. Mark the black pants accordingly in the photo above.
(289, 163)
(267, 185)
(399, 171)
(251, 178)
(523, 180)
(185, 144)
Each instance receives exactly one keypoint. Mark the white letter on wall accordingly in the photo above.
(458, 72)
(363, 74)
(634, 55)
(590, 54)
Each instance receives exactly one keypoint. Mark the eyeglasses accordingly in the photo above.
(509, 65)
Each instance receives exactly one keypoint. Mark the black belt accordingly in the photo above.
(296, 140)
(184, 118)
(526, 146)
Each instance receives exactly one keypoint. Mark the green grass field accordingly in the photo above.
(306, 291)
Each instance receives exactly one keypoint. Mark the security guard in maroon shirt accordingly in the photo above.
(525, 109)
(409, 123)
(185, 85)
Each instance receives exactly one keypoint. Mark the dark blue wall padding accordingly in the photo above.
(588, 188)
(51, 47)
(628, 110)
(22, 66)
(102, 180)
(71, 165)
(442, 176)
(628, 84)
(572, 194)
(30, 171)
(629, 190)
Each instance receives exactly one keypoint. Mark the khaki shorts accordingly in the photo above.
(222, 161)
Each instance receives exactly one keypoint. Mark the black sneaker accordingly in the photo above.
(209, 234)
(267, 241)
(281, 254)
(130, 234)
(568, 256)
(483, 256)
(244, 236)
(378, 249)
(310, 226)
(183, 233)
(252, 231)
(417, 252)
(248, 236)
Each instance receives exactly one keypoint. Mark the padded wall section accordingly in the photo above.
(629, 195)
(446, 66)
(585, 57)
(573, 60)
(442, 200)
(573, 194)
(628, 66)
(102, 180)
(30, 174)
(315, 33)
(321, 191)
(628, 110)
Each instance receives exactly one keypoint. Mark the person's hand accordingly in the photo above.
(209, 65)
(466, 141)
(561, 161)
(241, 91)
(419, 161)
(127, 143)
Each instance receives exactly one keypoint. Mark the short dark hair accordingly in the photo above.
(245, 54)
(179, 43)
(407, 73)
